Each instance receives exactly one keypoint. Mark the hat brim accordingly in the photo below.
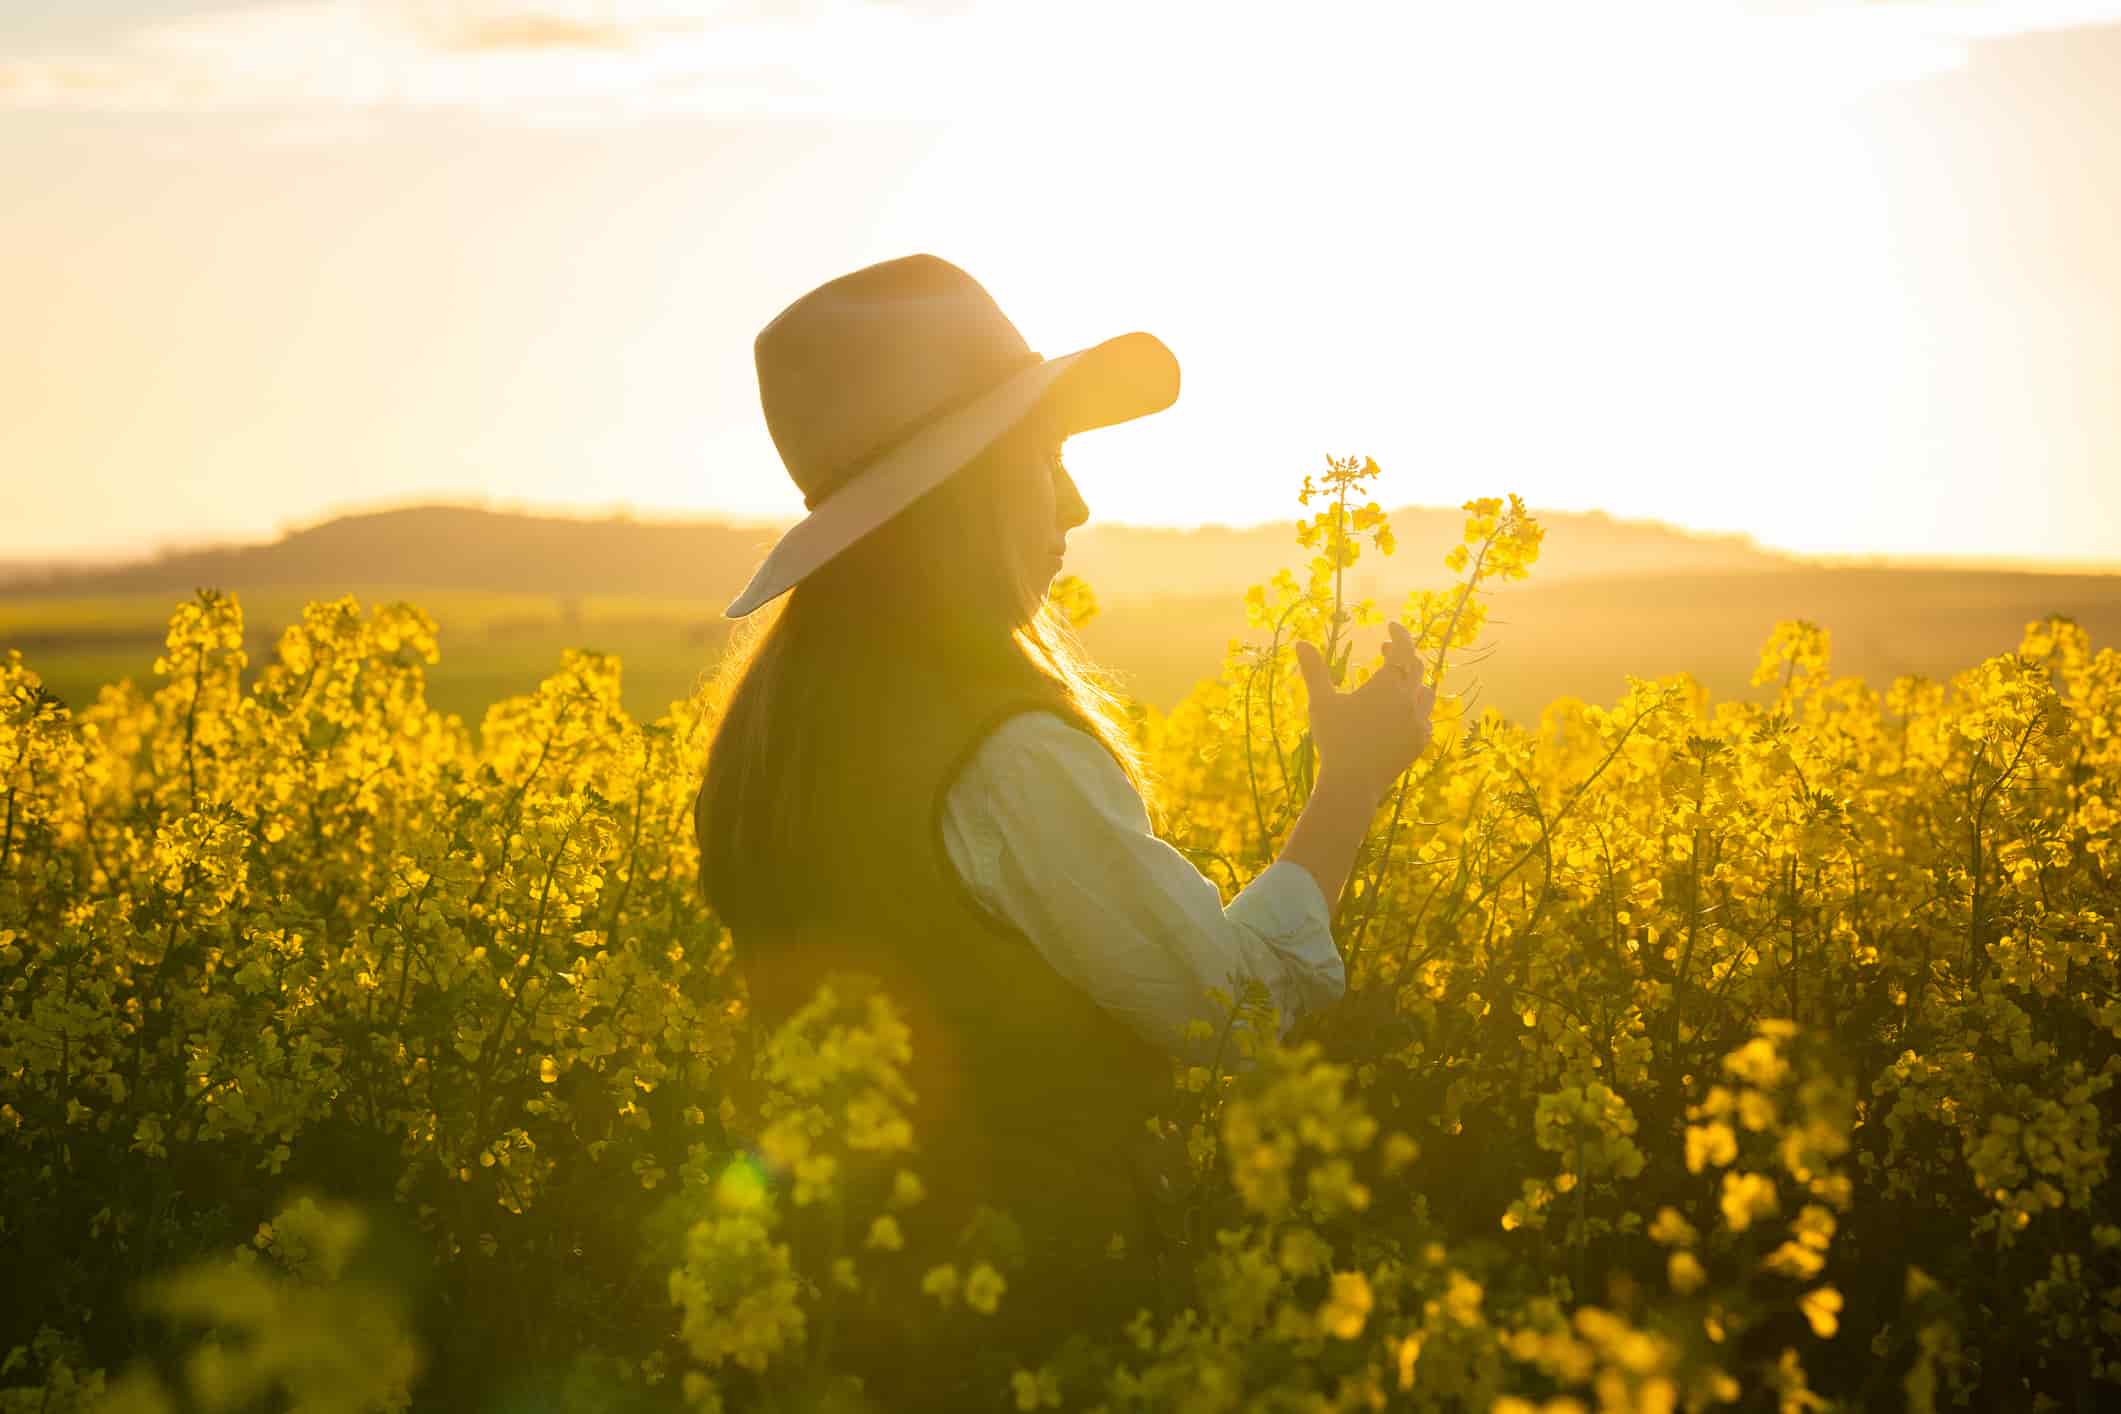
(1125, 377)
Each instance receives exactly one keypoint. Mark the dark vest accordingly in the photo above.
(1030, 1097)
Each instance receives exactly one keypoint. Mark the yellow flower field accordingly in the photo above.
(1698, 1055)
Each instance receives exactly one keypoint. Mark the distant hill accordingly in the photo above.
(1578, 637)
(1585, 637)
(469, 548)
(1608, 598)
(450, 547)
(1126, 562)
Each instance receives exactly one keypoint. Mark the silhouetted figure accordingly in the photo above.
(918, 776)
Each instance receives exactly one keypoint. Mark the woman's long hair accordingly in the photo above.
(927, 604)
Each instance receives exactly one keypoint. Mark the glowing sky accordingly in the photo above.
(1841, 276)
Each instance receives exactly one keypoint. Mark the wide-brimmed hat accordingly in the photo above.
(878, 385)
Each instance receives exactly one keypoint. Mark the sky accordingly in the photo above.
(1839, 276)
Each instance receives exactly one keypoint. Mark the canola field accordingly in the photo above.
(1747, 1054)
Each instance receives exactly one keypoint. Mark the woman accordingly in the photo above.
(918, 776)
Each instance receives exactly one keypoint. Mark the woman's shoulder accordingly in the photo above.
(1031, 736)
(1034, 749)
(1037, 726)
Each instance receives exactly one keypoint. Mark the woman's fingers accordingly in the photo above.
(1403, 671)
(1399, 652)
(1405, 659)
(1405, 640)
(1312, 664)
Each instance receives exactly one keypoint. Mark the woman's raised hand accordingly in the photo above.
(1377, 730)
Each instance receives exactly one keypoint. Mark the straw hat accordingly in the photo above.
(878, 385)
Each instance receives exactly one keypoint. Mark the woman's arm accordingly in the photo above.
(1049, 834)
(1331, 828)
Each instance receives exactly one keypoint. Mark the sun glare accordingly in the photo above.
(1622, 315)
(1664, 260)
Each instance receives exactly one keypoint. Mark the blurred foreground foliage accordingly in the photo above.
(1733, 1055)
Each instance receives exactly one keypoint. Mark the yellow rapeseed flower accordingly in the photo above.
(1347, 1306)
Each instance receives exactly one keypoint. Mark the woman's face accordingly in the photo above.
(1044, 505)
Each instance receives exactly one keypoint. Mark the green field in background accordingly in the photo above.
(492, 645)
(1570, 638)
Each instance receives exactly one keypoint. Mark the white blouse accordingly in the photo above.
(1049, 834)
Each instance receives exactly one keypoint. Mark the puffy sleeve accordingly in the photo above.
(1049, 834)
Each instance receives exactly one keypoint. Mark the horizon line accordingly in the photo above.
(112, 558)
